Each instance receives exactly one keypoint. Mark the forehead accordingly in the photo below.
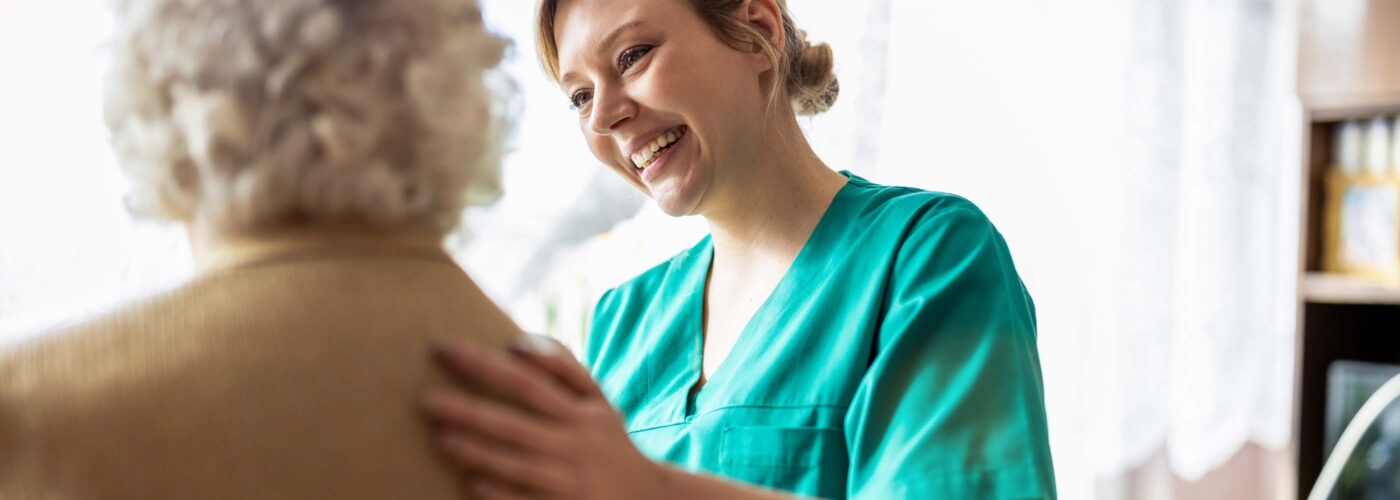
(582, 26)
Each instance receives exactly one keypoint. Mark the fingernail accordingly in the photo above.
(536, 344)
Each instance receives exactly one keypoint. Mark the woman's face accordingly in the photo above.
(661, 99)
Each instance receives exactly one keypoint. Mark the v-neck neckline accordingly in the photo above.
(697, 392)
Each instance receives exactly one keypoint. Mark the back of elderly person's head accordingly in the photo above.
(249, 114)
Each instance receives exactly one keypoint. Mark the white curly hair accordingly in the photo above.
(257, 113)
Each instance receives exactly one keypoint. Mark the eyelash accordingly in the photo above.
(625, 61)
(636, 54)
(577, 102)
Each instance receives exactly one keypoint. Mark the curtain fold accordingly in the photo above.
(1141, 158)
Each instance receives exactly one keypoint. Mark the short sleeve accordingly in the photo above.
(952, 405)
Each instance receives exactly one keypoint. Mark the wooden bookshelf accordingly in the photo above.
(1348, 69)
(1325, 288)
(1342, 108)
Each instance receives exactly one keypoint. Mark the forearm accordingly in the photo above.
(677, 484)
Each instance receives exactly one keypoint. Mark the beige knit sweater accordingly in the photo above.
(288, 370)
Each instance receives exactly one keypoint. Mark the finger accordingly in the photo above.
(499, 464)
(464, 412)
(548, 354)
(503, 376)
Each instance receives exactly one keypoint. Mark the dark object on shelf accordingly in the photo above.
(1362, 434)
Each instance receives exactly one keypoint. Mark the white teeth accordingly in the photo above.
(641, 159)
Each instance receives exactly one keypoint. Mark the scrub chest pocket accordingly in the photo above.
(791, 458)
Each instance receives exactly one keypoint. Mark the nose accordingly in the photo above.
(611, 108)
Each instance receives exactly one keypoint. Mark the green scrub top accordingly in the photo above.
(895, 359)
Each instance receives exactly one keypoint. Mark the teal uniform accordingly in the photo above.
(895, 359)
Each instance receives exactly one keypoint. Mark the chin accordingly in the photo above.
(676, 208)
(675, 202)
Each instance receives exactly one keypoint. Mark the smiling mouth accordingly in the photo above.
(653, 150)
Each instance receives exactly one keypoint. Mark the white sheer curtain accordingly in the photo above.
(1140, 158)
(67, 248)
(1138, 155)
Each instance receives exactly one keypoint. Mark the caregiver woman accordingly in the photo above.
(831, 337)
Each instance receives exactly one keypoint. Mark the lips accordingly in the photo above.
(651, 150)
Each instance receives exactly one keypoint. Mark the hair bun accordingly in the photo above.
(812, 78)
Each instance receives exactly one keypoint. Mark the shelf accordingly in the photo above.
(1337, 289)
(1331, 108)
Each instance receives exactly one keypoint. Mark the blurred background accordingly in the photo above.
(1169, 175)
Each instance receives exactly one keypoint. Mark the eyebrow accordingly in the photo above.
(608, 41)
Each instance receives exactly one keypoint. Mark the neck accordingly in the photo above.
(215, 249)
(770, 205)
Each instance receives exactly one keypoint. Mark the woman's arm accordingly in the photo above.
(538, 426)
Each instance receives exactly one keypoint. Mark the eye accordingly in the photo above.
(629, 57)
(579, 99)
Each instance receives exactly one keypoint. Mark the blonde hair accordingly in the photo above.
(255, 113)
(804, 72)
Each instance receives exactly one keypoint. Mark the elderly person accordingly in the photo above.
(317, 151)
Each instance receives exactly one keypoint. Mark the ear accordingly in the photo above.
(767, 17)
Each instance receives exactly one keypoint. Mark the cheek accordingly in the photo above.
(604, 149)
(688, 82)
(714, 88)
(671, 78)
